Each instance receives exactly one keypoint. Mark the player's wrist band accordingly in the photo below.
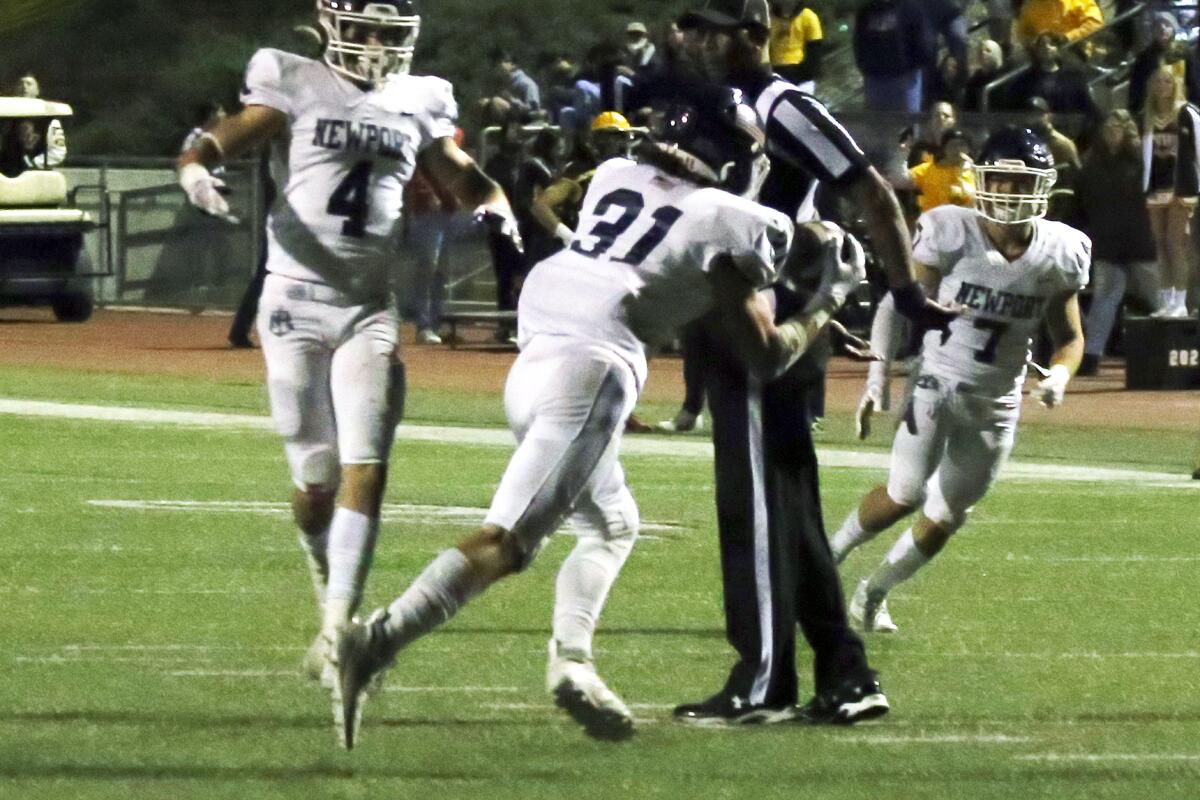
(910, 299)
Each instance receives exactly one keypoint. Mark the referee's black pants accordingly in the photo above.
(776, 565)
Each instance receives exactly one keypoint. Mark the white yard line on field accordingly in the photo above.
(933, 738)
(678, 447)
(391, 512)
(1100, 758)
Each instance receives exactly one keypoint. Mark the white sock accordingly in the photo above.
(1168, 298)
(901, 562)
(583, 583)
(445, 586)
(315, 554)
(351, 546)
(849, 536)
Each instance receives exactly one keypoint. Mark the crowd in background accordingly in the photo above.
(1121, 77)
(1048, 61)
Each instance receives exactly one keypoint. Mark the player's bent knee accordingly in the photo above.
(312, 464)
(906, 498)
(940, 512)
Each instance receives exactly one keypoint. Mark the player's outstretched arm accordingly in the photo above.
(893, 248)
(232, 136)
(1066, 333)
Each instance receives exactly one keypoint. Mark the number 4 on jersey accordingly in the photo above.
(350, 200)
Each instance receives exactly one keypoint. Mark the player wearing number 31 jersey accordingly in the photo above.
(350, 130)
(660, 241)
(1008, 269)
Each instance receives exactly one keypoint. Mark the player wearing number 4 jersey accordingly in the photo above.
(353, 128)
(1009, 270)
(660, 241)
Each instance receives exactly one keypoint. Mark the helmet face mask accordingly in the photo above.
(1013, 177)
(1009, 192)
(369, 41)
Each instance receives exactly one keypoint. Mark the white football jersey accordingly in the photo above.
(342, 174)
(634, 273)
(988, 346)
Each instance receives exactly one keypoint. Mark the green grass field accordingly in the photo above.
(157, 609)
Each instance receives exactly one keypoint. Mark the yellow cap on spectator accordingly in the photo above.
(610, 121)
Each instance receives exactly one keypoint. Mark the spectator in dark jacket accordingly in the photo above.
(946, 20)
(1112, 211)
(893, 48)
(1064, 87)
(1164, 50)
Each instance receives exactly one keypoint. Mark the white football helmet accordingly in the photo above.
(369, 40)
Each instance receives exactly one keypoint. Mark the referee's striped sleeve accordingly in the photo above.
(803, 133)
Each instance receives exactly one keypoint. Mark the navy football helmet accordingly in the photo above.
(1013, 176)
(710, 131)
(368, 40)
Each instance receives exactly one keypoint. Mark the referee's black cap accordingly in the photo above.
(728, 14)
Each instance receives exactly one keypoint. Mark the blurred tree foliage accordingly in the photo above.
(136, 70)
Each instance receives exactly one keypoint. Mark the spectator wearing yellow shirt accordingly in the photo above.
(1073, 19)
(948, 179)
(796, 43)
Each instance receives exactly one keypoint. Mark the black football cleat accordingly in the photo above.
(723, 710)
(853, 702)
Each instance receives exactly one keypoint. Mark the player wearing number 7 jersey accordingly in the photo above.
(352, 128)
(660, 241)
(1008, 269)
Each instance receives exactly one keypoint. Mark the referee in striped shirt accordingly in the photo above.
(777, 569)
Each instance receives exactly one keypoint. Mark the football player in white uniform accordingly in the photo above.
(351, 127)
(1008, 269)
(660, 240)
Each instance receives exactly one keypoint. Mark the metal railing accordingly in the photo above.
(1078, 44)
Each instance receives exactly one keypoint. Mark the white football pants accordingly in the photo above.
(329, 363)
(949, 447)
(567, 401)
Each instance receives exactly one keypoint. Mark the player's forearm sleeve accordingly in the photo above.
(886, 332)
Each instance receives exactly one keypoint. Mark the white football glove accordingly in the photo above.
(872, 401)
(1051, 389)
(204, 191)
(843, 267)
(499, 217)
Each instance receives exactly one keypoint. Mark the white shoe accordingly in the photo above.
(870, 613)
(428, 336)
(1162, 312)
(578, 690)
(1178, 312)
(683, 422)
(359, 660)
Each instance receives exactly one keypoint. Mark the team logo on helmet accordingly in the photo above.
(368, 41)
